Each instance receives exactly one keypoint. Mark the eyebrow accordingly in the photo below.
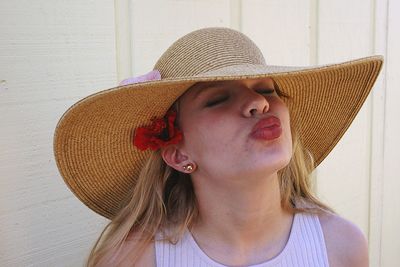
(204, 88)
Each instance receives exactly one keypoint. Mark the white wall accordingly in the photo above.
(53, 53)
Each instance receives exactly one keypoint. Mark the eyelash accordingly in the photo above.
(224, 98)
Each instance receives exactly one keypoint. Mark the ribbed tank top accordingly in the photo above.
(305, 247)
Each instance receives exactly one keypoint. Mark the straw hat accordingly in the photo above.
(93, 144)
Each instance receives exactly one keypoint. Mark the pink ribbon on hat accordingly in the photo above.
(153, 75)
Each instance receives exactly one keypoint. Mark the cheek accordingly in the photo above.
(209, 136)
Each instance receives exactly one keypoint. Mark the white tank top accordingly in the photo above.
(304, 248)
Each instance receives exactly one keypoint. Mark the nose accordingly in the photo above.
(254, 104)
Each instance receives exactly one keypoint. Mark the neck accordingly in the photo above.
(247, 217)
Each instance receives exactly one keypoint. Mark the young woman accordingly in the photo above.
(206, 160)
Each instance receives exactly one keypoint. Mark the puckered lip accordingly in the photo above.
(266, 122)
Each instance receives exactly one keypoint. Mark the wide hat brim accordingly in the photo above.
(93, 141)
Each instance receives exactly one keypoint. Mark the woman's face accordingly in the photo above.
(218, 120)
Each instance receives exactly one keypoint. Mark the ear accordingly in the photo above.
(174, 157)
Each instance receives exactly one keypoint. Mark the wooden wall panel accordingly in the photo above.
(52, 53)
(157, 24)
(282, 29)
(391, 198)
(377, 172)
(345, 31)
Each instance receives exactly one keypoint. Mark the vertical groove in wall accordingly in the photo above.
(369, 106)
(314, 6)
(313, 52)
(379, 46)
(123, 38)
(374, 25)
(236, 14)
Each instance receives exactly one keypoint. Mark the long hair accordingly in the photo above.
(164, 198)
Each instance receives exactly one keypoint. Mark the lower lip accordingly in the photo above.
(268, 133)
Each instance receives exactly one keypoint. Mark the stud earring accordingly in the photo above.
(189, 167)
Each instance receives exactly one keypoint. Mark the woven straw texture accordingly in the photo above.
(93, 141)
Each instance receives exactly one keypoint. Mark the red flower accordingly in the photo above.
(160, 133)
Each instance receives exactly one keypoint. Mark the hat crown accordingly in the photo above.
(206, 50)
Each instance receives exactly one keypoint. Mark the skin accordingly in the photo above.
(248, 225)
(235, 170)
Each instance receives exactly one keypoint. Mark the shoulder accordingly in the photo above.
(346, 244)
(125, 257)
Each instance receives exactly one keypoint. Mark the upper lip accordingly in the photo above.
(266, 122)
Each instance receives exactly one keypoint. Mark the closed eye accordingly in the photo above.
(266, 91)
(224, 98)
(216, 101)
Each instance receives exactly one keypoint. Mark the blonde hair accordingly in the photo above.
(164, 198)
